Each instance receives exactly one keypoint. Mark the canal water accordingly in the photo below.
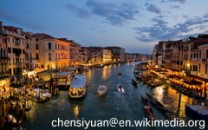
(126, 106)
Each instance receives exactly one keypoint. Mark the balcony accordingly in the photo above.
(204, 60)
(4, 59)
(17, 51)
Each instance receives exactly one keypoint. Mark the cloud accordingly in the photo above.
(5, 15)
(115, 13)
(9, 16)
(175, 6)
(161, 31)
(180, 1)
(152, 8)
(83, 13)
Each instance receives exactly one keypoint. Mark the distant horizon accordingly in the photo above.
(136, 26)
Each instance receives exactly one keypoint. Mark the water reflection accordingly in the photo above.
(158, 93)
(174, 100)
(114, 104)
(76, 111)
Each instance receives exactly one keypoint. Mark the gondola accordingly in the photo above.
(147, 109)
(133, 82)
(12, 121)
(156, 103)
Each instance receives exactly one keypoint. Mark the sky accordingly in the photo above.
(136, 25)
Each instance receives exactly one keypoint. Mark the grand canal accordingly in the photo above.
(113, 104)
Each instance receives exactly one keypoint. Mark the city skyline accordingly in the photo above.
(136, 26)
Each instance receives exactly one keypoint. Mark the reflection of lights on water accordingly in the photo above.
(76, 111)
(159, 93)
(89, 74)
(104, 74)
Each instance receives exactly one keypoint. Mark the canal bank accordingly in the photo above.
(126, 106)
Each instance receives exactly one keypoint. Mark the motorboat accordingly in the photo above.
(78, 86)
(120, 88)
(101, 90)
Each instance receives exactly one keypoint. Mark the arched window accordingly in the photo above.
(207, 54)
(27, 46)
(49, 46)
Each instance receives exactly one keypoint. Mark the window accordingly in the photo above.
(49, 56)
(199, 68)
(49, 46)
(200, 54)
(1, 51)
(36, 39)
(36, 46)
(207, 54)
(27, 46)
(37, 56)
(8, 39)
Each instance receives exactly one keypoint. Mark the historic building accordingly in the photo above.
(118, 54)
(4, 59)
(189, 56)
(49, 52)
(15, 44)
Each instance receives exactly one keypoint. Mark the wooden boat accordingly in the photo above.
(147, 109)
(137, 76)
(39, 95)
(78, 86)
(120, 88)
(11, 120)
(133, 82)
(156, 103)
(101, 90)
(14, 107)
(136, 72)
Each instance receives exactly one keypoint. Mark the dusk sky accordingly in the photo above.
(136, 25)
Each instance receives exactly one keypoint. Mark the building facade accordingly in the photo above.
(118, 54)
(49, 52)
(106, 56)
(189, 56)
(4, 59)
(15, 44)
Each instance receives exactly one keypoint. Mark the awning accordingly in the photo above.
(198, 78)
